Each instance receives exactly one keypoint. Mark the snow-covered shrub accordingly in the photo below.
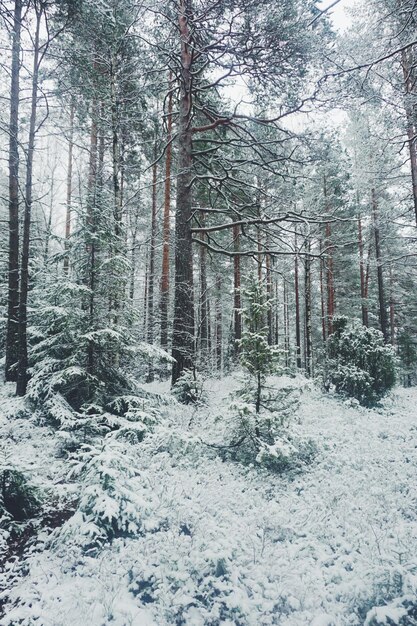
(188, 389)
(110, 504)
(19, 500)
(360, 364)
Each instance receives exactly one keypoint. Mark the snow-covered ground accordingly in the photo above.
(332, 544)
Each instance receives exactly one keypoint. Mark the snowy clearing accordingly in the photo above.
(332, 544)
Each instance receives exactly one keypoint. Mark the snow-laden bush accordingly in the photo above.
(110, 504)
(19, 499)
(360, 365)
(188, 389)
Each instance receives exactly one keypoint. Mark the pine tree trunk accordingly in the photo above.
(69, 188)
(22, 370)
(237, 301)
(183, 324)
(151, 273)
(330, 281)
(297, 308)
(409, 85)
(270, 297)
(307, 308)
(381, 295)
(219, 323)
(322, 296)
(91, 229)
(392, 308)
(203, 299)
(164, 301)
(286, 326)
(12, 333)
(364, 306)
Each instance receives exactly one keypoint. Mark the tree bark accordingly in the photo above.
(322, 296)
(203, 300)
(330, 281)
(237, 301)
(219, 323)
(12, 332)
(151, 273)
(297, 308)
(307, 308)
(183, 324)
(381, 293)
(22, 370)
(164, 301)
(69, 189)
(364, 306)
(411, 127)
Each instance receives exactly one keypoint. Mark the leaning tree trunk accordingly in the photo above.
(183, 324)
(381, 292)
(12, 336)
(22, 369)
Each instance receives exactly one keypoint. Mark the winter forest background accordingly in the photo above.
(208, 289)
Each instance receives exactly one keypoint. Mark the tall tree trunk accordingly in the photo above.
(69, 188)
(322, 296)
(151, 273)
(330, 281)
(364, 306)
(219, 323)
(12, 336)
(297, 308)
(329, 269)
(203, 299)
(276, 327)
(286, 325)
(409, 86)
(307, 308)
(381, 295)
(22, 370)
(91, 230)
(183, 324)
(164, 301)
(270, 297)
(391, 307)
(237, 301)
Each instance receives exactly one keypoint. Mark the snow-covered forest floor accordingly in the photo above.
(330, 542)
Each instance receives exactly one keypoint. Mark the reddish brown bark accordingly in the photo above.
(164, 300)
